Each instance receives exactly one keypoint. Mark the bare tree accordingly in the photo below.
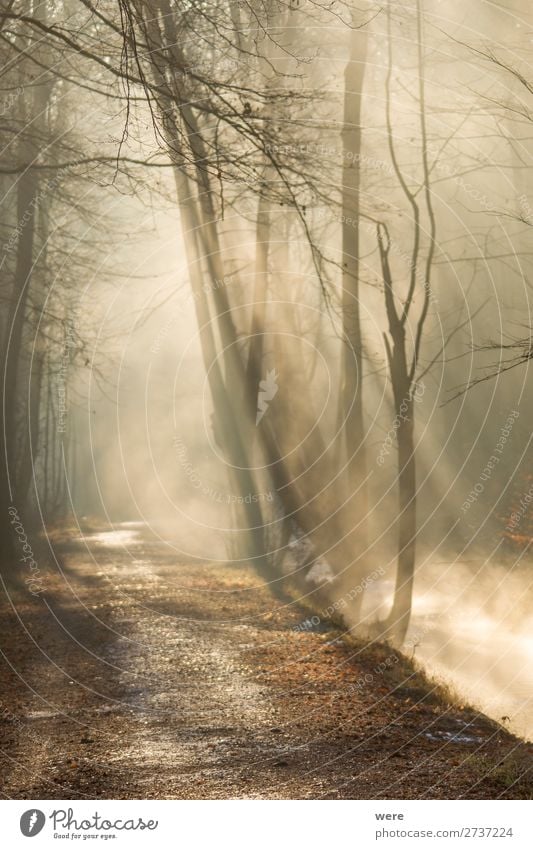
(403, 364)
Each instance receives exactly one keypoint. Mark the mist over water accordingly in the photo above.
(473, 633)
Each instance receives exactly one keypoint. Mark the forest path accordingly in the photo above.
(136, 675)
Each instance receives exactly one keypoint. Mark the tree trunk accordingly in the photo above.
(398, 621)
(227, 424)
(30, 444)
(202, 245)
(352, 359)
(352, 390)
(26, 202)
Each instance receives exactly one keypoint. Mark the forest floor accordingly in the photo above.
(134, 675)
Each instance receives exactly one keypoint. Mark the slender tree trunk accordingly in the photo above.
(30, 444)
(352, 359)
(258, 323)
(400, 614)
(403, 372)
(48, 436)
(26, 202)
(352, 390)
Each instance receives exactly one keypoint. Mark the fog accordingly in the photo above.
(279, 310)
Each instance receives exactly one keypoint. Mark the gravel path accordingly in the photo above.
(136, 675)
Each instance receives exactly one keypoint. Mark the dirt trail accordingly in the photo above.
(135, 675)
